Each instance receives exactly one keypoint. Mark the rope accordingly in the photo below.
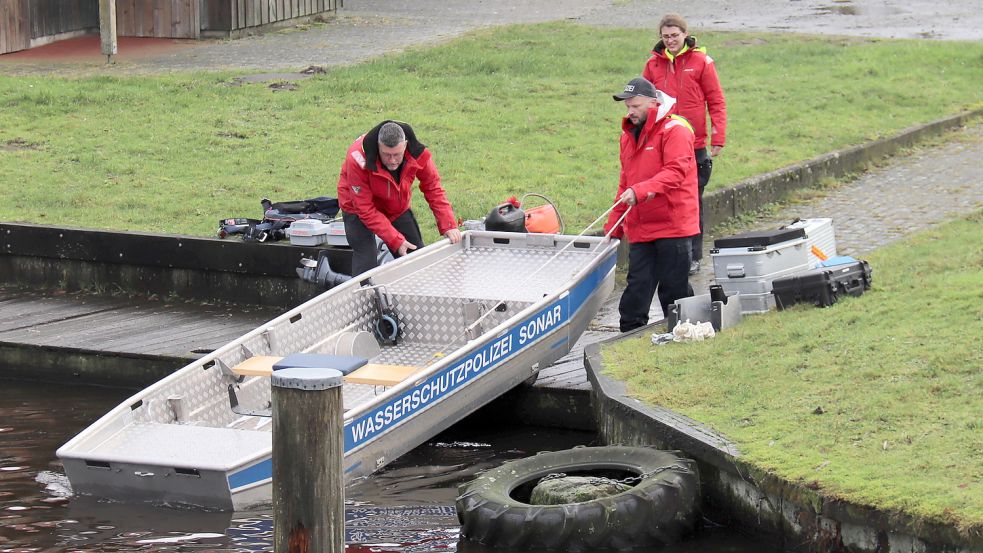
(478, 321)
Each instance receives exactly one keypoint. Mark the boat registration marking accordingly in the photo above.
(366, 427)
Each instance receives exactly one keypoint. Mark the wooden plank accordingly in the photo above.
(27, 311)
(260, 365)
(220, 15)
(139, 9)
(180, 15)
(148, 16)
(163, 18)
(198, 343)
(377, 374)
(22, 39)
(4, 24)
(194, 335)
(195, 19)
(36, 18)
(124, 17)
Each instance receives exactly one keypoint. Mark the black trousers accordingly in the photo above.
(362, 240)
(662, 264)
(704, 166)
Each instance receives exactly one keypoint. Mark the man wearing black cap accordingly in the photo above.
(374, 191)
(658, 183)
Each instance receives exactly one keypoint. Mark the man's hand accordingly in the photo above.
(628, 197)
(715, 150)
(405, 248)
(454, 235)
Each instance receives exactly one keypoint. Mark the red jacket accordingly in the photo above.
(661, 168)
(691, 78)
(366, 189)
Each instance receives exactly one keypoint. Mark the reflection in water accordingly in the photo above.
(407, 508)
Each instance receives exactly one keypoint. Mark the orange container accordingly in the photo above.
(543, 219)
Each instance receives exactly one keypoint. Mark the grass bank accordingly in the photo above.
(875, 399)
(505, 111)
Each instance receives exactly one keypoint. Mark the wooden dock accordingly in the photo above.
(134, 342)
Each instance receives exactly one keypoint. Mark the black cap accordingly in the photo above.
(639, 86)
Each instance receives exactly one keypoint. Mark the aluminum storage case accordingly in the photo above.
(820, 238)
(759, 254)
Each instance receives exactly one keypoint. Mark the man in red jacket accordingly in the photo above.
(658, 182)
(684, 71)
(374, 192)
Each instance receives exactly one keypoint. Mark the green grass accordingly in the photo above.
(896, 373)
(506, 111)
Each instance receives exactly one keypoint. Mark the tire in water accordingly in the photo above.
(493, 509)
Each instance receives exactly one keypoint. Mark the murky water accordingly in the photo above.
(409, 507)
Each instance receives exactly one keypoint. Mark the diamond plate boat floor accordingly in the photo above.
(494, 273)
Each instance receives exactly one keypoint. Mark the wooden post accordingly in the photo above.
(107, 28)
(308, 483)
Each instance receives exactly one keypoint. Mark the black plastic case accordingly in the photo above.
(823, 286)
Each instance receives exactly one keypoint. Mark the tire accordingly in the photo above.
(658, 510)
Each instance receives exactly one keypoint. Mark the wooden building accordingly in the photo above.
(30, 23)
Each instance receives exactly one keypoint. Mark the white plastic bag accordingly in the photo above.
(688, 332)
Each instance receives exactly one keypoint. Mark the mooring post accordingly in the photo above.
(308, 484)
(107, 28)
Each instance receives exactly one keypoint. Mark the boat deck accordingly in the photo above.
(155, 441)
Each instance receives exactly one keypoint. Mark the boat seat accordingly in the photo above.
(341, 363)
(378, 374)
(259, 365)
(264, 365)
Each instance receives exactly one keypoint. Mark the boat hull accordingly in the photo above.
(133, 452)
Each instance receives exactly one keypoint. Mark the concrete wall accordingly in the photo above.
(792, 516)
(71, 259)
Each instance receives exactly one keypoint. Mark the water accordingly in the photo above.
(407, 508)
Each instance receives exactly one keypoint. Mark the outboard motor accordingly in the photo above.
(320, 272)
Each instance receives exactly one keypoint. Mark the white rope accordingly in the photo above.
(478, 321)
